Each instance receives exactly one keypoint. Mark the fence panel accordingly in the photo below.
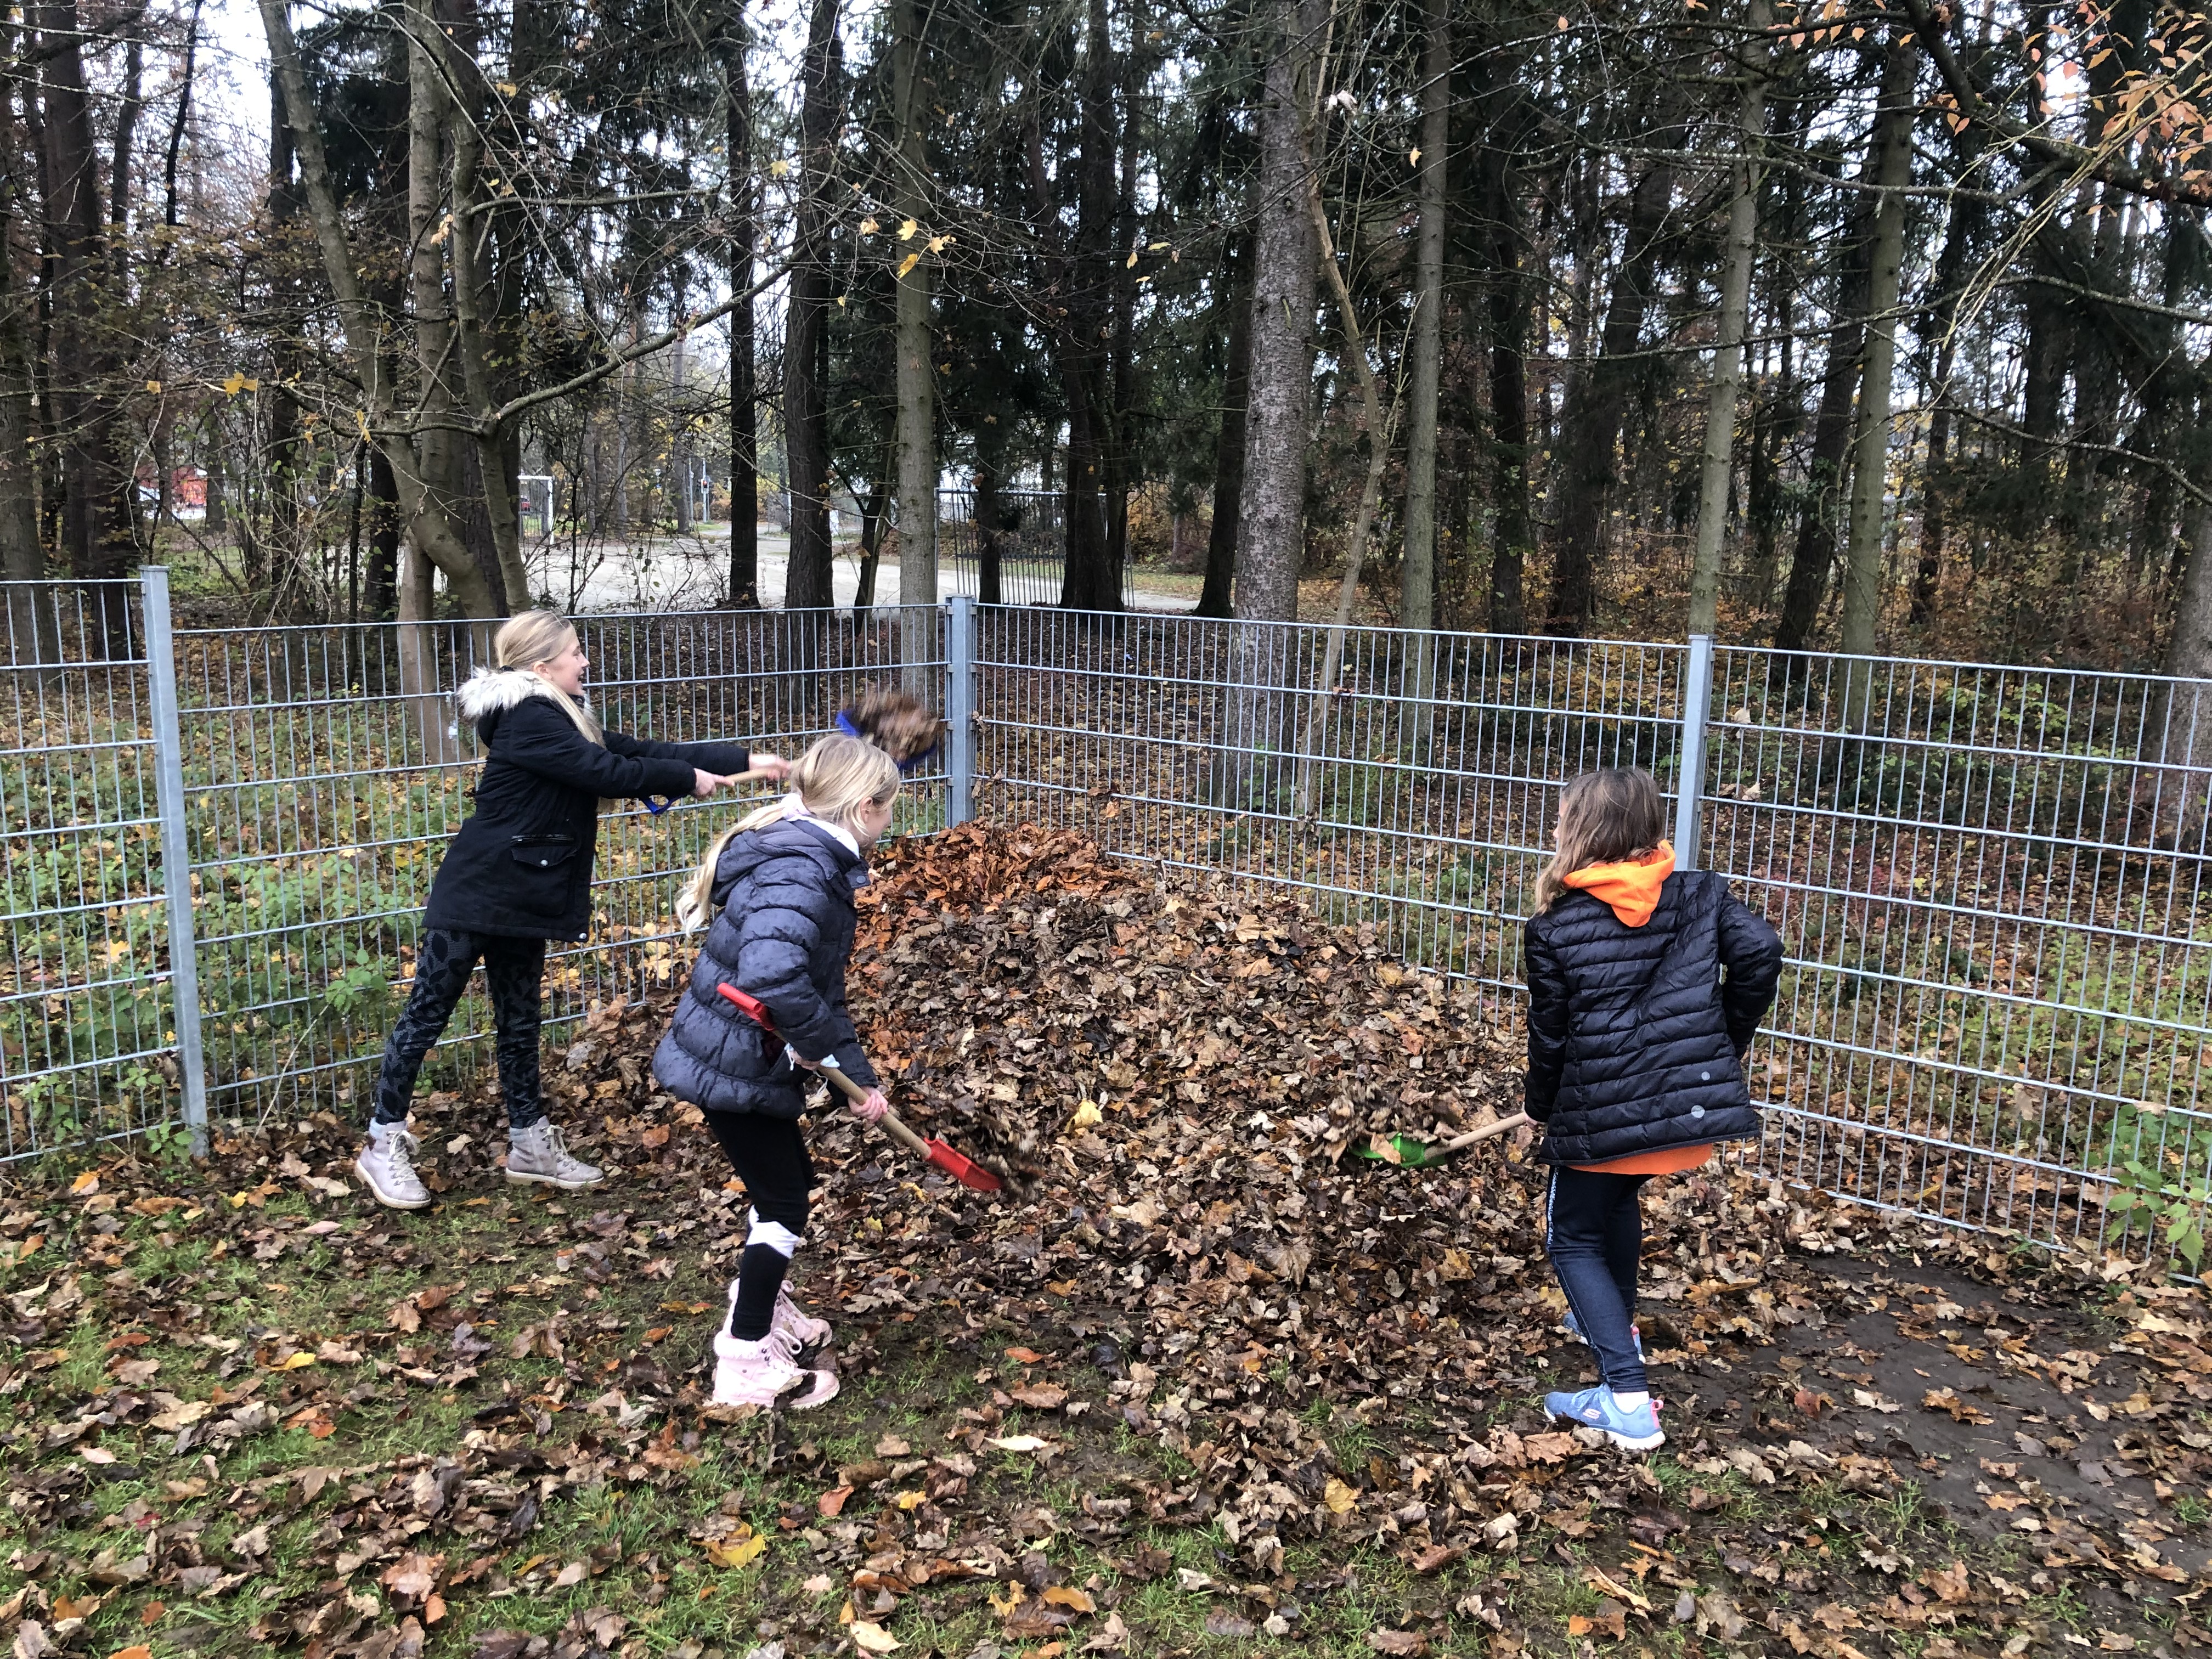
(1209, 744)
(325, 771)
(1990, 882)
(1024, 561)
(1992, 890)
(87, 1018)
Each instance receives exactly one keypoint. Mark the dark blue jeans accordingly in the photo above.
(1594, 1234)
(515, 969)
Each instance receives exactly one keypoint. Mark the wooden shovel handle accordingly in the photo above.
(1503, 1125)
(890, 1122)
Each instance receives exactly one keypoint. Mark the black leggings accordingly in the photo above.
(515, 969)
(770, 1155)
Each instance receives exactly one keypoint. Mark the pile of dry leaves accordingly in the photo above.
(1877, 1432)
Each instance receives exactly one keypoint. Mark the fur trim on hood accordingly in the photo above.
(501, 688)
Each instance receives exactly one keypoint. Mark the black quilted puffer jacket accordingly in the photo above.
(783, 933)
(1636, 1034)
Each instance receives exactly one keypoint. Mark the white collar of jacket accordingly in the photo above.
(501, 688)
(794, 809)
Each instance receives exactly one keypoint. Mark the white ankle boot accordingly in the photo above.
(386, 1166)
(539, 1153)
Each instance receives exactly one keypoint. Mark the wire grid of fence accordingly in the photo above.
(317, 774)
(86, 1020)
(1990, 882)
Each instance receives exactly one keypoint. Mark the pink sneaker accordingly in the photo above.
(763, 1373)
(802, 1332)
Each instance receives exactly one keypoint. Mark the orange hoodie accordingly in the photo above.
(1632, 890)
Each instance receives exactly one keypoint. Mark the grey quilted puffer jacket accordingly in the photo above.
(783, 933)
(1636, 1034)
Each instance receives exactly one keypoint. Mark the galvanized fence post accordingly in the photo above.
(959, 709)
(176, 849)
(1690, 775)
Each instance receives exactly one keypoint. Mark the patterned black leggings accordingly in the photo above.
(513, 969)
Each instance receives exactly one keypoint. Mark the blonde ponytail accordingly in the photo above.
(833, 780)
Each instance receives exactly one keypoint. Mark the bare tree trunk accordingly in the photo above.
(1090, 579)
(429, 530)
(917, 418)
(1728, 348)
(744, 412)
(1892, 144)
(805, 352)
(1371, 489)
(1215, 595)
(1513, 537)
(1812, 559)
(21, 559)
(1417, 598)
(2180, 726)
(987, 530)
(1271, 513)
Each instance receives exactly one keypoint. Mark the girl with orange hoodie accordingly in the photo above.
(1646, 985)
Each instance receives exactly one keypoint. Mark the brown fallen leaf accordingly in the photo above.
(1397, 1641)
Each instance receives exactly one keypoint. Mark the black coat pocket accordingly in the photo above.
(542, 851)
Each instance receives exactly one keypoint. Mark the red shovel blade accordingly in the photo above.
(751, 1007)
(961, 1169)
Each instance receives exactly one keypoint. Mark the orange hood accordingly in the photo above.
(1632, 890)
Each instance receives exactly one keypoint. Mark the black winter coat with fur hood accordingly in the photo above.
(1636, 1034)
(521, 866)
(782, 932)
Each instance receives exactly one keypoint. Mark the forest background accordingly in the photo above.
(1878, 325)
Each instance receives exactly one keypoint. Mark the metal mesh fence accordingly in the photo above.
(86, 1020)
(1023, 560)
(325, 772)
(1989, 881)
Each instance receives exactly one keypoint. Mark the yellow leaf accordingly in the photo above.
(873, 1637)
(841, 302)
(1060, 1596)
(778, 169)
(908, 263)
(297, 1361)
(869, 227)
(937, 244)
(911, 1500)
(1158, 248)
(1340, 1498)
(1413, 158)
(906, 231)
(737, 1550)
(1087, 1116)
(506, 89)
(136, 1650)
(1133, 259)
(85, 1185)
(153, 386)
(1018, 1443)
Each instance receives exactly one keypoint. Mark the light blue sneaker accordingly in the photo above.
(1575, 1330)
(1594, 1408)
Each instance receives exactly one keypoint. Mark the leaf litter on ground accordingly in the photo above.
(1194, 1319)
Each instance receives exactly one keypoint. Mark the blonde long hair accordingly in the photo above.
(833, 780)
(530, 637)
(1608, 817)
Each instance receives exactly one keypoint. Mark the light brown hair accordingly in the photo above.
(833, 780)
(1613, 815)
